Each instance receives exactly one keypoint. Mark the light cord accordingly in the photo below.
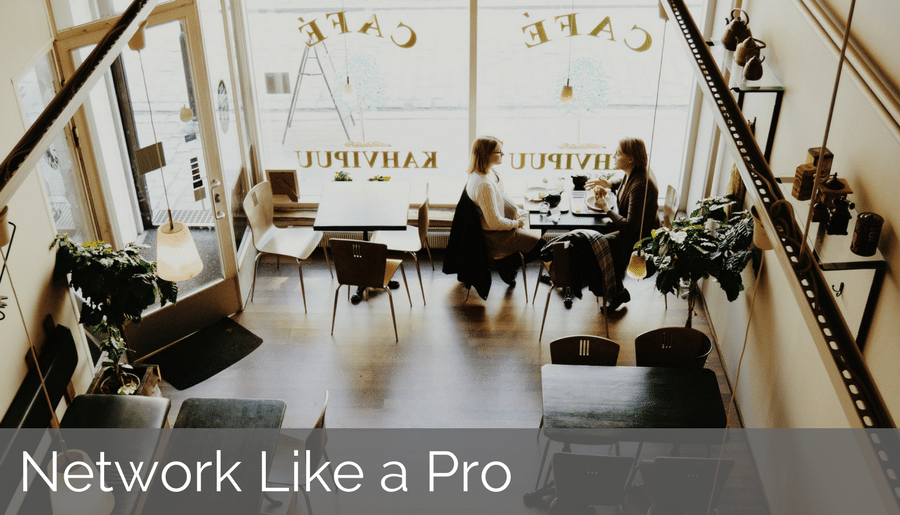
(821, 161)
(162, 170)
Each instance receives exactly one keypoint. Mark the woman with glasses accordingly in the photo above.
(504, 226)
(637, 204)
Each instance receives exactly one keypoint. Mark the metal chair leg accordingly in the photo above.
(393, 316)
(406, 284)
(334, 313)
(524, 277)
(302, 288)
(543, 320)
(421, 286)
(328, 261)
(255, 269)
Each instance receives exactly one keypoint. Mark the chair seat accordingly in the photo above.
(390, 268)
(400, 241)
(296, 242)
(281, 464)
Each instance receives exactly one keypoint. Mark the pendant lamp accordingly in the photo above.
(567, 96)
(177, 258)
(637, 265)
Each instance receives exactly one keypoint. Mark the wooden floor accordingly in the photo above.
(459, 363)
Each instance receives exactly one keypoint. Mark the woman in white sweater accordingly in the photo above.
(504, 227)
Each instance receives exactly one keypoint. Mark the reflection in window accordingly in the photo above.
(61, 178)
(407, 115)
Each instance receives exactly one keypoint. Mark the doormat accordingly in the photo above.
(205, 353)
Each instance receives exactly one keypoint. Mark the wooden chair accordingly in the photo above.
(560, 277)
(365, 264)
(674, 347)
(412, 240)
(584, 350)
(677, 485)
(292, 242)
(580, 350)
(281, 470)
(584, 480)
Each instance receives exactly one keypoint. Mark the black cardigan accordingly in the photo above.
(466, 254)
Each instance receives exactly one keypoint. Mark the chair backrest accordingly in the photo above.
(584, 350)
(315, 442)
(584, 480)
(360, 263)
(674, 347)
(423, 220)
(561, 265)
(668, 214)
(260, 210)
(680, 484)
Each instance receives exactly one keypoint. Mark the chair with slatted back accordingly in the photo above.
(580, 350)
(283, 460)
(293, 242)
(365, 264)
(679, 485)
(410, 241)
(674, 347)
(560, 277)
(585, 480)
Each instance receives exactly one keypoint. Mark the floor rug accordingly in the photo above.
(205, 353)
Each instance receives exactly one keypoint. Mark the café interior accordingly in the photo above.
(303, 94)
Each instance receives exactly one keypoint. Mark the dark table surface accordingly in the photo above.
(625, 398)
(577, 217)
(363, 206)
(229, 431)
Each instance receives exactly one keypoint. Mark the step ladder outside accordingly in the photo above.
(302, 72)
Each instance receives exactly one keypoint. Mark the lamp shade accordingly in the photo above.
(566, 97)
(177, 258)
(89, 501)
(4, 227)
(348, 94)
(637, 266)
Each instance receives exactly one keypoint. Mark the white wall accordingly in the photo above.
(26, 34)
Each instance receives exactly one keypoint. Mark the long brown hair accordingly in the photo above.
(635, 149)
(482, 150)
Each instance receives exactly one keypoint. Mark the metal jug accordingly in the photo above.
(737, 30)
(747, 49)
(753, 70)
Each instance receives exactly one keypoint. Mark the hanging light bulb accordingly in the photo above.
(566, 97)
(637, 266)
(348, 94)
(186, 114)
(177, 258)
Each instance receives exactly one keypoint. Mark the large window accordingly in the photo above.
(409, 114)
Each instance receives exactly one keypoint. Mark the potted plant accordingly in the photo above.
(708, 243)
(115, 286)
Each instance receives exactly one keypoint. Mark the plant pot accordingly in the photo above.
(703, 353)
(108, 384)
(148, 376)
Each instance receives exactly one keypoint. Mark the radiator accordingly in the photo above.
(437, 239)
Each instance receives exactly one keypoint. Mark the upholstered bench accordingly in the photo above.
(116, 411)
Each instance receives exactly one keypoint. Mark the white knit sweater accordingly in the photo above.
(489, 196)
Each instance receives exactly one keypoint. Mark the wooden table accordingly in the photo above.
(584, 404)
(623, 398)
(241, 429)
(363, 206)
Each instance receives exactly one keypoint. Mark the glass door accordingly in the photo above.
(153, 137)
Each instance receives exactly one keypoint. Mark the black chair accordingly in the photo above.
(584, 480)
(673, 347)
(561, 276)
(281, 470)
(466, 254)
(678, 485)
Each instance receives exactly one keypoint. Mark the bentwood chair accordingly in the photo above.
(678, 485)
(585, 480)
(560, 277)
(580, 350)
(292, 242)
(365, 264)
(412, 240)
(281, 470)
(673, 347)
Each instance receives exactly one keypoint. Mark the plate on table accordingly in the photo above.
(590, 201)
(536, 194)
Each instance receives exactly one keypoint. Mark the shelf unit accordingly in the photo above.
(854, 280)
